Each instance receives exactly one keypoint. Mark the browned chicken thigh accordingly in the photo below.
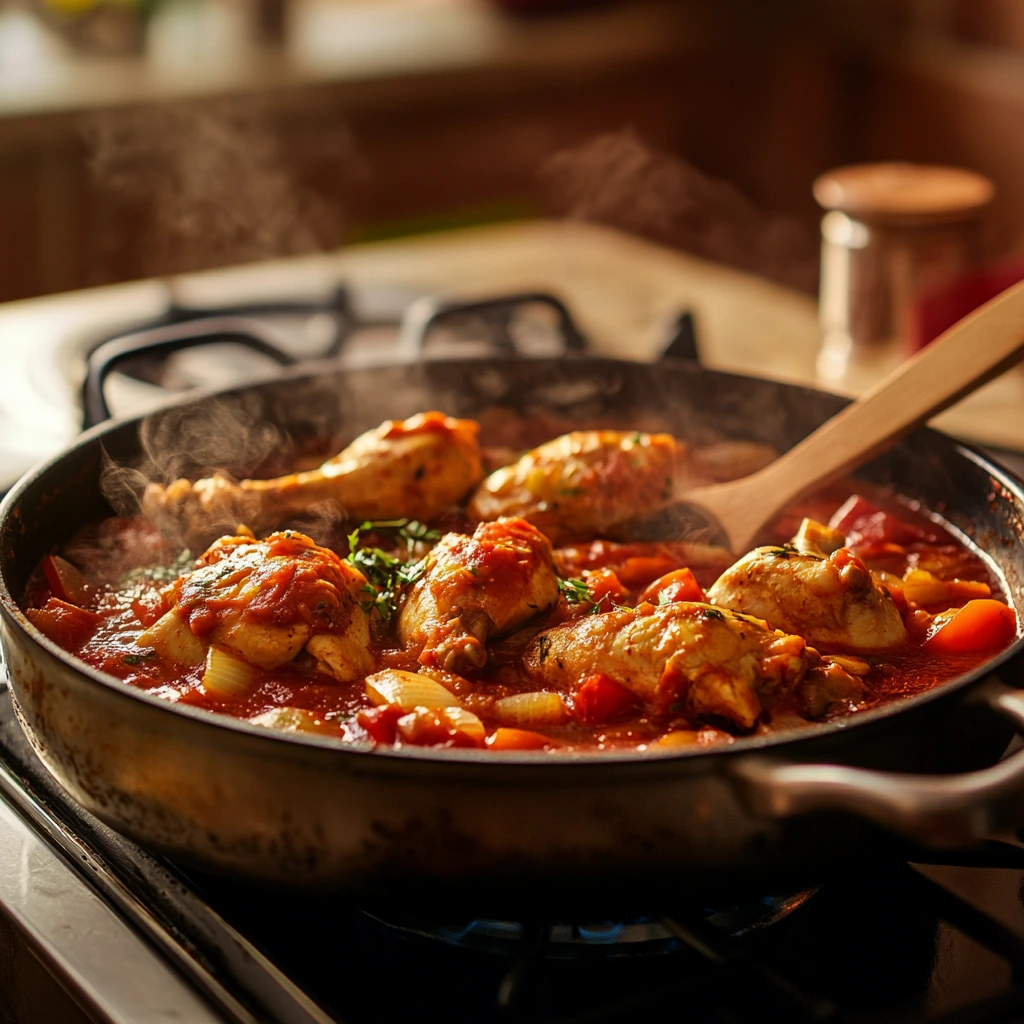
(476, 587)
(713, 663)
(416, 468)
(261, 603)
(578, 486)
(829, 599)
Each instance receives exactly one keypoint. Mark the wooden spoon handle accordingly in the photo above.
(973, 351)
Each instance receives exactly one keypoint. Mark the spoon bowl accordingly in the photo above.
(972, 352)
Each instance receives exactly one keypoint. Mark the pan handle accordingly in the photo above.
(939, 810)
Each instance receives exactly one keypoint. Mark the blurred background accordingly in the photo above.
(147, 137)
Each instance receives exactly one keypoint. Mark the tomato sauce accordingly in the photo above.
(115, 580)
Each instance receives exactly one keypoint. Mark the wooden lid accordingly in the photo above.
(904, 193)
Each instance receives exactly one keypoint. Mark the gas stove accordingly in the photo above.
(895, 941)
(129, 936)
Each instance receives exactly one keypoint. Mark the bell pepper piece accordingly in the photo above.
(981, 625)
(600, 699)
(518, 739)
(65, 624)
(680, 585)
(381, 722)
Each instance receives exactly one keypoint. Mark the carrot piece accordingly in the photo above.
(680, 585)
(981, 625)
(518, 739)
(600, 699)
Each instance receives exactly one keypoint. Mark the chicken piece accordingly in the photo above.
(816, 538)
(474, 588)
(712, 662)
(416, 468)
(579, 485)
(831, 600)
(267, 600)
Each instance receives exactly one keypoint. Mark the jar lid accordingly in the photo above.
(904, 193)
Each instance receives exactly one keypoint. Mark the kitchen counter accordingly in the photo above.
(623, 291)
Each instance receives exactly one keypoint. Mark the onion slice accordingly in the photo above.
(408, 691)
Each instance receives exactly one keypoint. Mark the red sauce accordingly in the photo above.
(287, 580)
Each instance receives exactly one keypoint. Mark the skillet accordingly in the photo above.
(523, 830)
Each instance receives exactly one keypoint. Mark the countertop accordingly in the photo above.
(623, 292)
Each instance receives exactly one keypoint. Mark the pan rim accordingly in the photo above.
(14, 618)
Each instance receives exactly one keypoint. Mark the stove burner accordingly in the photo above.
(640, 936)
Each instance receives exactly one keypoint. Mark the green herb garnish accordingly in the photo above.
(386, 575)
(411, 531)
(138, 659)
(576, 591)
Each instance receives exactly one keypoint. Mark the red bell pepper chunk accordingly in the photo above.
(866, 524)
(381, 722)
(65, 581)
(65, 624)
(600, 699)
(680, 585)
(981, 625)
(605, 588)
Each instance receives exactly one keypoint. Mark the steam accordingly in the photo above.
(226, 437)
(218, 182)
(619, 180)
(186, 442)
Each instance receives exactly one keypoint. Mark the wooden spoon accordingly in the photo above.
(973, 351)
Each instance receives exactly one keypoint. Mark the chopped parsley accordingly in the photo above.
(576, 591)
(411, 531)
(138, 659)
(386, 575)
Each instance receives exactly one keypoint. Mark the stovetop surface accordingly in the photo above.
(893, 942)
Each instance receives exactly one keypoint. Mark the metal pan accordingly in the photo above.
(524, 830)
